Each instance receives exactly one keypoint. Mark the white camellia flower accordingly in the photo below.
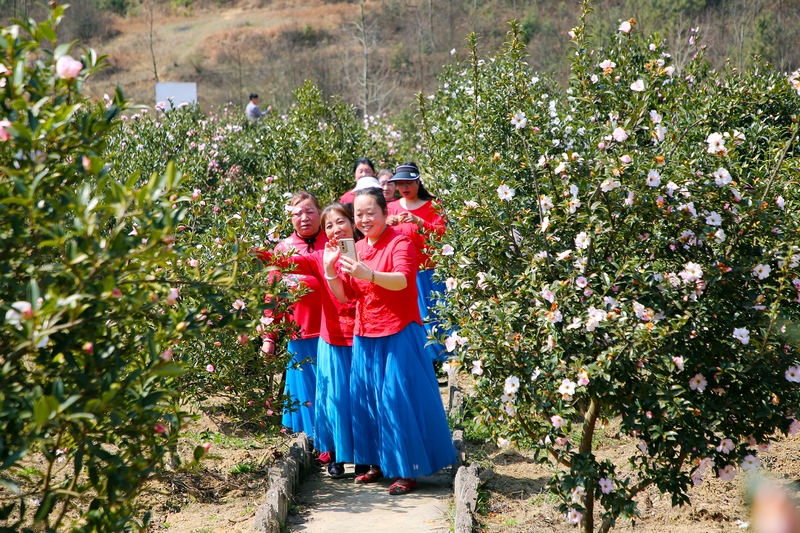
(574, 516)
(519, 120)
(546, 203)
(698, 383)
(609, 184)
(655, 117)
(505, 192)
(606, 485)
(750, 463)
(577, 494)
(451, 284)
(653, 178)
(567, 387)
(780, 202)
(637, 86)
(761, 271)
(511, 385)
(691, 272)
(448, 250)
(716, 143)
(713, 219)
(727, 473)
(582, 241)
(721, 177)
(793, 374)
(726, 446)
(19, 311)
(607, 65)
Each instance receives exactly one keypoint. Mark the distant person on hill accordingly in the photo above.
(362, 168)
(252, 110)
(389, 188)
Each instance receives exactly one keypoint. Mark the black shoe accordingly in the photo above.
(362, 469)
(336, 470)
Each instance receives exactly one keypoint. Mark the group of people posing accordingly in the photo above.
(361, 374)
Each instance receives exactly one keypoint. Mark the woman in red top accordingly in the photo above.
(333, 428)
(416, 216)
(399, 423)
(301, 380)
(362, 168)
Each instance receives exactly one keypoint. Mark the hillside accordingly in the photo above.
(233, 48)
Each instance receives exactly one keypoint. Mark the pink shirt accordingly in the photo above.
(432, 225)
(381, 312)
(307, 311)
(338, 319)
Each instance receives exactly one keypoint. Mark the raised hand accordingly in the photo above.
(331, 254)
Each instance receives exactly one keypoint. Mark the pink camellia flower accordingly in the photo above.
(238, 305)
(166, 355)
(159, 429)
(172, 297)
(742, 335)
(637, 86)
(19, 311)
(583, 378)
(192, 262)
(210, 368)
(581, 282)
(243, 339)
(88, 347)
(794, 427)
(86, 163)
(477, 367)
(206, 446)
(448, 250)
(270, 412)
(574, 516)
(4, 135)
(557, 421)
(750, 463)
(727, 473)
(626, 159)
(625, 27)
(606, 485)
(725, 446)
(619, 135)
(678, 361)
(68, 68)
(793, 374)
(698, 383)
(562, 441)
(196, 194)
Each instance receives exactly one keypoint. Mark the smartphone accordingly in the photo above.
(347, 247)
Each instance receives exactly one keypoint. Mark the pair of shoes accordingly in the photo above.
(361, 469)
(371, 476)
(402, 486)
(336, 470)
(325, 458)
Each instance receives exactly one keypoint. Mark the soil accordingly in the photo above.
(517, 500)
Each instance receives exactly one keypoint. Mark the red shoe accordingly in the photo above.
(325, 458)
(402, 486)
(373, 474)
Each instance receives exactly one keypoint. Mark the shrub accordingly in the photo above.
(627, 248)
(96, 314)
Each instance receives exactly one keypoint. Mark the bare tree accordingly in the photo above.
(150, 35)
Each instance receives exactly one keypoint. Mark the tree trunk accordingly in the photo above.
(152, 51)
(589, 422)
(365, 73)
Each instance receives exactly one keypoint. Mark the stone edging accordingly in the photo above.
(284, 481)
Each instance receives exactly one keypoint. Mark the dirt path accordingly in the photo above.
(328, 505)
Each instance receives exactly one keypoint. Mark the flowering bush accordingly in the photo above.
(643, 261)
(98, 296)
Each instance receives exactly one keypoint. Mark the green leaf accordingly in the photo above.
(42, 411)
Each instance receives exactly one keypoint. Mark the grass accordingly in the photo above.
(242, 468)
(228, 441)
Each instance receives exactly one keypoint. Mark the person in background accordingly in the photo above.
(416, 216)
(362, 168)
(399, 424)
(384, 176)
(301, 381)
(252, 110)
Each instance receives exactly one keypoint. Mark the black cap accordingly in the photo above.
(253, 95)
(405, 172)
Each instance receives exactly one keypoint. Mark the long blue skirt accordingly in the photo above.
(301, 385)
(333, 423)
(398, 416)
(425, 288)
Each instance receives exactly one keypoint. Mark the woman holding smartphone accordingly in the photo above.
(301, 381)
(333, 428)
(399, 424)
(416, 216)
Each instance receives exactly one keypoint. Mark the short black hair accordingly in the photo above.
(363, 161)
(253, 95)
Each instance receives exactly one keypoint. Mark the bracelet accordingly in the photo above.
(330, 278)
(373, 277)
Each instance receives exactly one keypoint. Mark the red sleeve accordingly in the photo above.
(347, 198)
(404, 259)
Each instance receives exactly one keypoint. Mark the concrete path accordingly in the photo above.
(343, 506)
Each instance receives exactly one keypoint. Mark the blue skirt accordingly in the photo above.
(398, 417)
(425, 288)
(333, 424)
(301, 384)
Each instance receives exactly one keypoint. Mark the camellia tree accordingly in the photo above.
(96, 312)
(624, 249)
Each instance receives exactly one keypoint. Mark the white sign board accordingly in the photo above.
(179, 92)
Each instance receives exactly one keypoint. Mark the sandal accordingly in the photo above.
(325, 458)
(373, 474)
(336, 470)
(402, 486)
